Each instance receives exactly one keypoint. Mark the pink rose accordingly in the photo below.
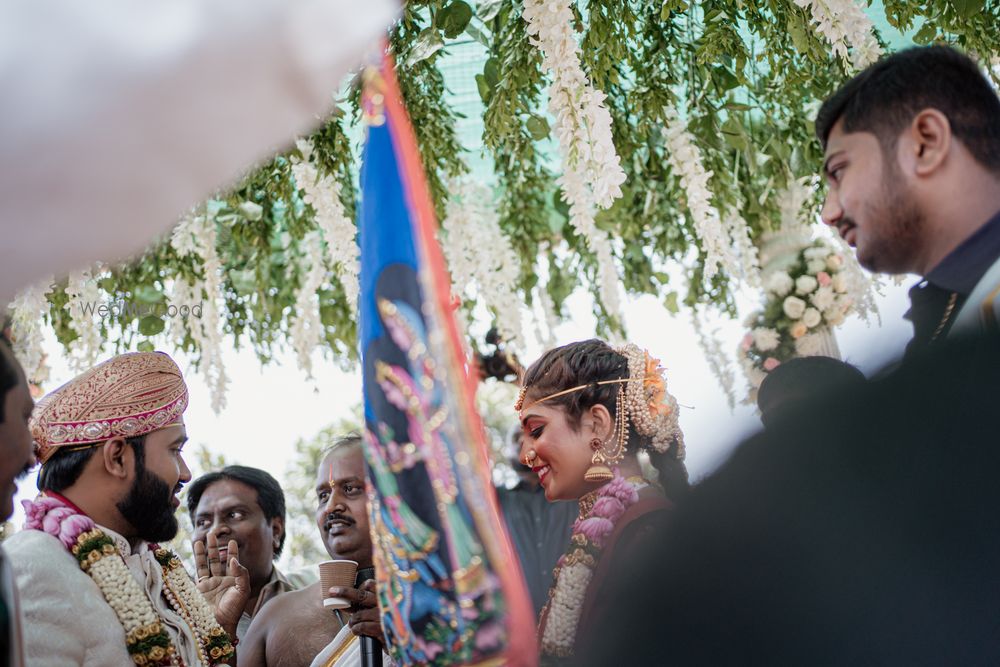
(73, 527)
(51, 516)
(747, 342)
(597, 529)
(608, 508)
(770, 364)
(824, 278)
(620, 489)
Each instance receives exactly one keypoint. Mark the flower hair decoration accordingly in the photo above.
(650, 408)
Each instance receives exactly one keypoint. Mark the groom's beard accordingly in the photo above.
(147, 507)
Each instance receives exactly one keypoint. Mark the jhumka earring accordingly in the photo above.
(601, 462)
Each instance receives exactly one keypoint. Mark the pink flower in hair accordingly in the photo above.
(597, 529)
(770, 364)
(823, 278)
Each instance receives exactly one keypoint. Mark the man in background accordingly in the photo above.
(295, 629)
(247, 505)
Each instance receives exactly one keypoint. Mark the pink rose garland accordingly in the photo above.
(51, 516)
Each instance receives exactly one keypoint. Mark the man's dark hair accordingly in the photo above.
(65, 467)
(9, 377)
(270, 497)
(885, 97)
(800, 380)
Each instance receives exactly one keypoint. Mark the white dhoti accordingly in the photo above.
(344, 651)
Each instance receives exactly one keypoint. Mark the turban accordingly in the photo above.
(126, 396)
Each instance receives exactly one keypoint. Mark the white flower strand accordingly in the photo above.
(339, 232)
(549, 313)
(27, 311)
(480, 257)
(718, 360)
(685, 160)
(84, 294)
(197, 234)
(607, 277)
(848, 29)
(744, 248)
(592, 172)
(565, 609)
(306, 328)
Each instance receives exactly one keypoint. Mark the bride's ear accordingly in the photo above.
(601, 422)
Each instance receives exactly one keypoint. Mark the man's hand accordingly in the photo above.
(226, 586)
(365, 618)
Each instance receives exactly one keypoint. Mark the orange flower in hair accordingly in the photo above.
(656, 387)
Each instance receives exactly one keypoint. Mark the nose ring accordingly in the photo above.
(529, 457)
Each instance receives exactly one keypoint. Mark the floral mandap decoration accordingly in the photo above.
(618, 140)
(802, 303)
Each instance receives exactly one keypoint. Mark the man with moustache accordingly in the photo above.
(295, 629)
(94, 589)
(18, 458)
(247, 505)
(913, 164)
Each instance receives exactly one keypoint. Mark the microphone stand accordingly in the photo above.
(371, 648)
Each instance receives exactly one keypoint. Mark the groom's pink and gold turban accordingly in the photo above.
(129, 395)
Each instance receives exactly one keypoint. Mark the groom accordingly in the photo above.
(94, 589)
(913, 164)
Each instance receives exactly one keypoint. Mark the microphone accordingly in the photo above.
(371, 648)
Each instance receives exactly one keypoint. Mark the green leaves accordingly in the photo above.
(747, 76)
(538, 127)
(966, 9)
(427, 44)
(926, 34)
(454, 18)
(150, 325)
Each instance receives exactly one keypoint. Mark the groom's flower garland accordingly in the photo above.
(813, 293)
(146, 639)
(599, 512)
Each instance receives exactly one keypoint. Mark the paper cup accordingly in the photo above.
(336, 573)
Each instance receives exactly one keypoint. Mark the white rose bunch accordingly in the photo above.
(779, 283)
(805, 284)
(794, 307)
(765, 339)
(823, 298)
(811, 317)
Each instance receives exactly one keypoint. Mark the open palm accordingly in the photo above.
(226, 586)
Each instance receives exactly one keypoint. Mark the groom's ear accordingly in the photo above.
(117, 458)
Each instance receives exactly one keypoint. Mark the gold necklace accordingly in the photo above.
(952, 300)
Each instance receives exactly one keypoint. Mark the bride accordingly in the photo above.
(586, 409)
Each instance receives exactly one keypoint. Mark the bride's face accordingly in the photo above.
(562, 453)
